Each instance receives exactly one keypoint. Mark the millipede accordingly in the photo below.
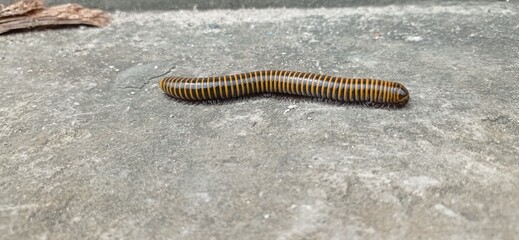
(372, 92)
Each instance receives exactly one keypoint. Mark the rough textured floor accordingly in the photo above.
(140, 5)
(91, 148)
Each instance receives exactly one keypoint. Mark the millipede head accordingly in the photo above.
(402, 97)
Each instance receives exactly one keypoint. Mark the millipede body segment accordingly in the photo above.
(362, 90)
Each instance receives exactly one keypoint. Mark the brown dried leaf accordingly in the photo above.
(68, 14)
(20, 7)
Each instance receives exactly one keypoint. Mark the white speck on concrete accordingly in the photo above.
(290, 108)
(445, 210)
(419, 185)
(413, 38)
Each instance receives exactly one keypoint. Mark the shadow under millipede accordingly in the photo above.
(284, 97)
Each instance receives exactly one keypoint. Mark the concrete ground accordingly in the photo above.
(92, 149)
(140, 5)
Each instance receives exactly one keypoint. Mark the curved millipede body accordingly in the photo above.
(372, 91)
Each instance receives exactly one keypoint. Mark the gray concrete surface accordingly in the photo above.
(139, 5)
(91, 149)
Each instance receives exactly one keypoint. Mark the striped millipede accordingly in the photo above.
(350, 90)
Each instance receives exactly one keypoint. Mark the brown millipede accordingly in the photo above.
(351, 90)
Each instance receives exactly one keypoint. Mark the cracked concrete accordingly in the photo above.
(90, 147)
(132, 78)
